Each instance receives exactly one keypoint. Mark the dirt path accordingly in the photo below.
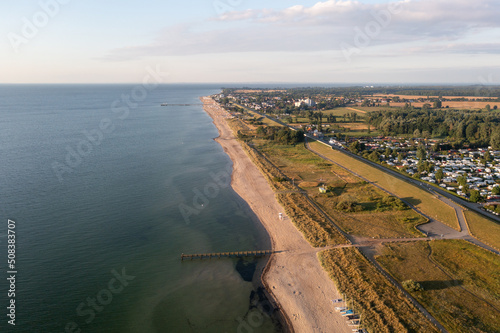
(294, 276)
(433, 229)
(360, 111)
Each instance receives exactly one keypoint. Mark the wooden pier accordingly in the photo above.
(226, 254)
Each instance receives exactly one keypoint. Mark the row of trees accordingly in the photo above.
(282, 135)
(357, 91)
(479, 128)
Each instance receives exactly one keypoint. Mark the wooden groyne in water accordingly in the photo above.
(226, 254)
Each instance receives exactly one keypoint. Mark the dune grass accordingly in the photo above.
(382, 306)
(317, 230)
(419, 198)
(460, 281)
(310, 171)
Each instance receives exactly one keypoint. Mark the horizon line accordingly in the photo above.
(265, 83)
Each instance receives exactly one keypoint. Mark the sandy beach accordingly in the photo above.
(294, 276)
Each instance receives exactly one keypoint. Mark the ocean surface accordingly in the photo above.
(107, 188)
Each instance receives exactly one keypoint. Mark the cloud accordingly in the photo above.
(460, 48)
(320, 13)
(443, 25)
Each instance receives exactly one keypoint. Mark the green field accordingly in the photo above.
(379, 225)
(383, 308)
(317, 230)
(483, 228)
(458, 291)
(461, 282)
(369, 217)
(419, 198)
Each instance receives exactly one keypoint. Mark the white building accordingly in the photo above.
(307, 101)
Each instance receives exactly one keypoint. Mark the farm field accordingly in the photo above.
(339, 112)
(460, 281)
(419, 198)
(354, 126)
(371, 108)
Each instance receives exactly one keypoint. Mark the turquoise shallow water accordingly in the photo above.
(99, 237)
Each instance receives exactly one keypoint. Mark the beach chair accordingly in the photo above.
(348, 312)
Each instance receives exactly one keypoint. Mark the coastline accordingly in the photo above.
(293, 277)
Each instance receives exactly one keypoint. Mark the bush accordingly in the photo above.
(279, 179)
(391, 203)
(348, 205)
(412, 286)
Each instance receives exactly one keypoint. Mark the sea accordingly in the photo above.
(104, 189)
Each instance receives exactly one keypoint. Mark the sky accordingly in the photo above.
(251, 41)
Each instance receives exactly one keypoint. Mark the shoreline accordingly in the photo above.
(218, 119)
(293, 277)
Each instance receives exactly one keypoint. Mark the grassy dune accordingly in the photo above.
(317, 230)
(383, 307)
(309, 171)
(419, 198)
(460, 281)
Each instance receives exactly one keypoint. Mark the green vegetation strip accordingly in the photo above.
(419, 198)
(356, 206)
(317, 230)
(460, 281)
(390, 224)
(483, 229)
(382, 306)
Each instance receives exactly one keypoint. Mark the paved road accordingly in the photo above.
(434, 190)
(433, 229)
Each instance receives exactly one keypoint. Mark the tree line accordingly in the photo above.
(282, 135)
(477, 128)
